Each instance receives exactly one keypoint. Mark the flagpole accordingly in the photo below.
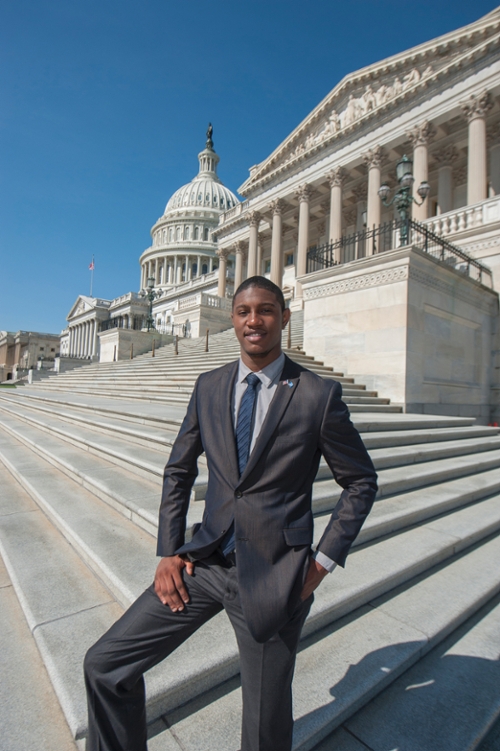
(91, 275)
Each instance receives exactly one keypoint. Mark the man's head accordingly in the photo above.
(259, 316)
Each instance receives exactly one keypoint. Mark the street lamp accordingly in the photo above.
(403, 198)
(151, 296)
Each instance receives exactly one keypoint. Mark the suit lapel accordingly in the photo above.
(226, 388)
(281, 400)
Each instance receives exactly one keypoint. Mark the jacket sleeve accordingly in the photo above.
(178, 478)
(352, 468)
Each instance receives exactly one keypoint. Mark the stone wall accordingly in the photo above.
(116, 344)
(408, 327)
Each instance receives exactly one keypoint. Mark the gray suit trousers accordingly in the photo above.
(149, 631)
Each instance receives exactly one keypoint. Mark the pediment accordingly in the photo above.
(82, 305)
(365, 93)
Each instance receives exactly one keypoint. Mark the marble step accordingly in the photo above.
(123, 559)
(344, 666)
(116, 449)
(114, 482)
(449, 700)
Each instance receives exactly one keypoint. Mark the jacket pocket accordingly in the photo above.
(295, 536)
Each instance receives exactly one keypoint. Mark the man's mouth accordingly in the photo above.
(255, 336)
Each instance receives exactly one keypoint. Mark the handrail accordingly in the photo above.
(387, 237)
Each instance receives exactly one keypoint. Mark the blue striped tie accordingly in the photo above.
(243, 443)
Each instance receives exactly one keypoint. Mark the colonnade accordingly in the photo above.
(83, 339)
(172, 270)
(421, 137)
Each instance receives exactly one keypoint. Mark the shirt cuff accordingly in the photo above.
(324, 561)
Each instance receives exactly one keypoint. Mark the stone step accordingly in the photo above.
(342, 667)
(32, 719)
(123, 558)
(125, 452)
(449, 700)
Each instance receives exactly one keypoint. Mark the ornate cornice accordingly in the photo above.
(446, 156)
(304, 193)
(376, 279)
(421, 134)
(223, 252)
(460, 176)
(477, 105)
(375, 157)
(336, 177)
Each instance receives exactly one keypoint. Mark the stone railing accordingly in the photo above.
(210, 301)
(232, 213)
(465, 218)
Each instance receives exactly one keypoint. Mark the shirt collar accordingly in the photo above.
(268, 375)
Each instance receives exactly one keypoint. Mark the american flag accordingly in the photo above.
(92, 266)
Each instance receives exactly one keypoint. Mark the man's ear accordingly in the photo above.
(286, 316)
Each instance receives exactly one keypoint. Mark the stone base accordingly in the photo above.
(120, 344)
(409, 327)
(201, 312)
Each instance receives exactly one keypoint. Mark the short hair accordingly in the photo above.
(262, 283)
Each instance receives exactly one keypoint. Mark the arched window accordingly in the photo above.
(194, 269)
(196, 233)
(205, 233)
(186, 233)
(178, 234)
(204, 269)
(170, 234)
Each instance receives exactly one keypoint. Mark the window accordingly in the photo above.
(170, 234)
(196, 233)
(52, 349)
(267, 267)
(289, 259)
(178, 234)
(186, 233)
(41, 349)
(194, 269)
(204, 269)
(205, 233)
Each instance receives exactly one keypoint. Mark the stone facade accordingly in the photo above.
(25, 350)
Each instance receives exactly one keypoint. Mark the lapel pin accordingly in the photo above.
(288, 383)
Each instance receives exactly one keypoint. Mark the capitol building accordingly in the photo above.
(410, 306)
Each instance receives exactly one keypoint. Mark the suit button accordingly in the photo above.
(239, 494)
(223, 532)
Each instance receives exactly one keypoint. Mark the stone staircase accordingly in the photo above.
(396, 644)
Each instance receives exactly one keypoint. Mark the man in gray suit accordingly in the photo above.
(263, 423)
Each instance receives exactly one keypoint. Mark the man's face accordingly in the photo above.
(258, 322)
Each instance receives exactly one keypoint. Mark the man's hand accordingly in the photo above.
(314, 577)
(169, 585)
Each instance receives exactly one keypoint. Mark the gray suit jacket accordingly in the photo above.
(271, 501)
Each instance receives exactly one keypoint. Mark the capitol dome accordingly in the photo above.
(183, 247)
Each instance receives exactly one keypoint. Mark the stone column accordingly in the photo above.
(165, 270)
(188, 269)
(304, 196)
(78, 339)
(336, 179)
(445, 158)
(277, 207)
(240, 252)
(93, 340)
(373, 159)
(156, 272)
(419, 137)
(253, 219)
(260, 242)
(475, 110)
(223, 254)
(178, 270)
(84, 339)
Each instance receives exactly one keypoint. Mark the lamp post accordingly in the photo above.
(151, 296)
(403, 198)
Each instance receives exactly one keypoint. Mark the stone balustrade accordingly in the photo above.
(465, 218)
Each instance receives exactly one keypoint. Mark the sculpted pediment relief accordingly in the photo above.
(379, 86)
(82, 305)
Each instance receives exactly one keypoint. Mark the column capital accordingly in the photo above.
(446, 156)
(223, 252)
(336, 177)
(304, 193)
(375, 157)
(421, 134)
(240, 248)
(477, 105)
(321, 229)
(261, 237)
(277, 206)
(253, 218)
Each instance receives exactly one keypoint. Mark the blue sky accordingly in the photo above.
(105, 105)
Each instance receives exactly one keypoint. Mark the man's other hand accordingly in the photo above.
(314, 577)
(169, 585)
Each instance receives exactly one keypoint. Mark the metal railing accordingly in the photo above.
(388, 236)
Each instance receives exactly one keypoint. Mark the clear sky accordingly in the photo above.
(105, 104)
